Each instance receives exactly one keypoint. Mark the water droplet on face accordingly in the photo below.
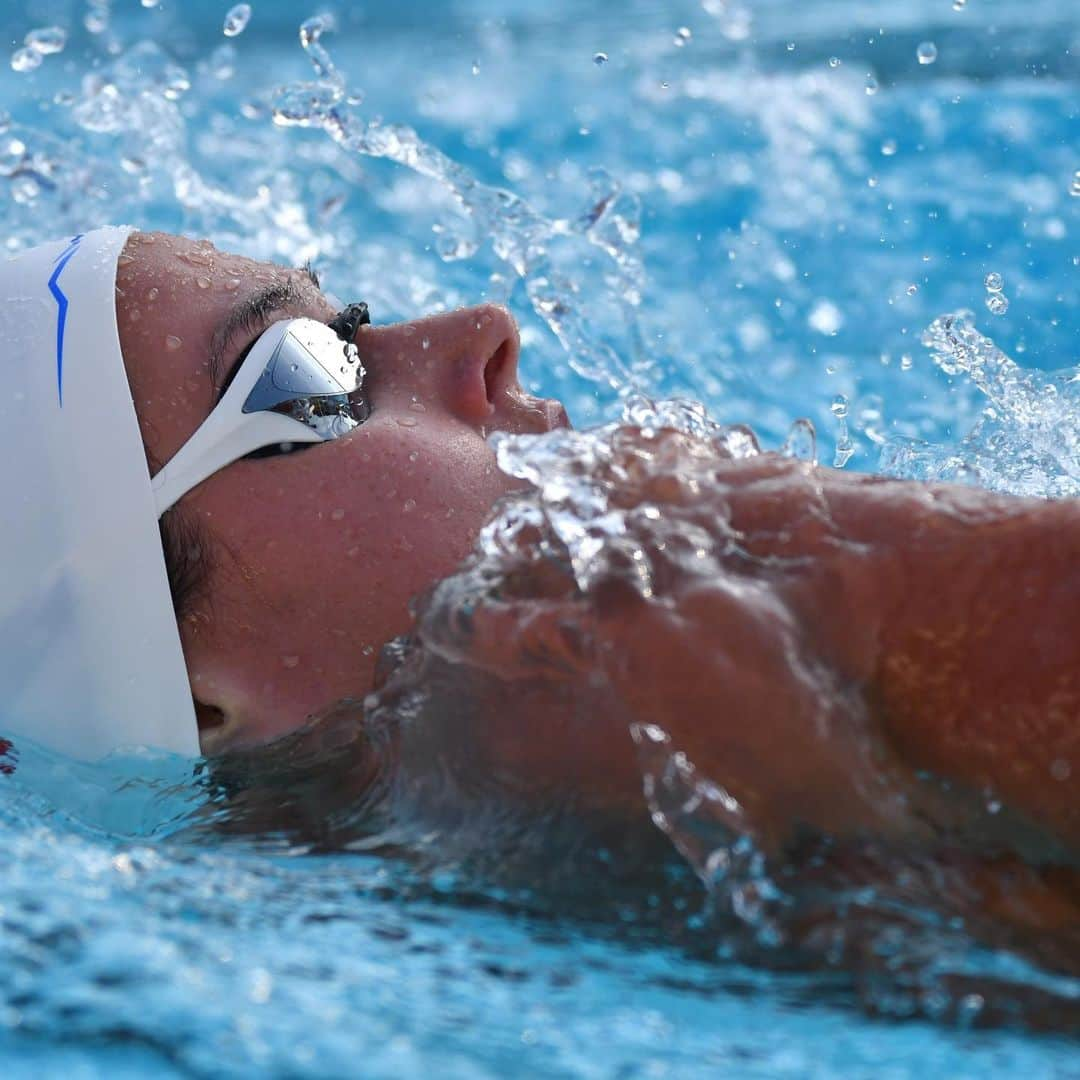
(407, 421)
(172, 342)
(152, 295)
(997, 304)
(417, 407)
(290, 661)
(994, 282)
(236, 20)
(413, 456)
(203, 282)
(926, 52)
(232, 284)
(682, 36)
(600, 58)
(408, 505)
(368, 650)
(337, 515)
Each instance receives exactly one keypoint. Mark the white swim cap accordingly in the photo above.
(90, 655)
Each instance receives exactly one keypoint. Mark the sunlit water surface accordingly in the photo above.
(776, 210)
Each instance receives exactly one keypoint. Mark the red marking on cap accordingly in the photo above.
(7, 758)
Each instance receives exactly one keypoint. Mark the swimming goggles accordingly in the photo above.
(299, 383)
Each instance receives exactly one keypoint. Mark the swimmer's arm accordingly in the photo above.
(871, 630)
(957, 612)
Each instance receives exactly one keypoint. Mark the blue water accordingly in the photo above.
(771, 240)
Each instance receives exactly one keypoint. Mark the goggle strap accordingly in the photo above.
(227, 433)
(220, 446)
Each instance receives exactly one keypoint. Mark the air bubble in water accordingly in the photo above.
(96, 19)
(912, 289)
(682, 36)
(312, 29)
(801, 442)
(1074, 187)
(825, 317)
(926, 52)
(150, 3)
(834, 61)
(47, 40)
(600, 58)
(994, 282)
(25, 189)
(223, 62)
(959, 5)
(871, 84)
(25, 59)
(236, 20)
(997, 303)
(839, 407)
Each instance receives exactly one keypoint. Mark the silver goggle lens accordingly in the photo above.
(315, 377)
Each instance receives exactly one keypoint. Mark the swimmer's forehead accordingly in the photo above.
(187, 261)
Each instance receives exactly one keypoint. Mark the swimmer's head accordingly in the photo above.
(285, 569)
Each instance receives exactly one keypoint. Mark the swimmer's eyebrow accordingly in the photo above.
(253, 314)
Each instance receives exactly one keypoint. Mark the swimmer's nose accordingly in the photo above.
(465, 361)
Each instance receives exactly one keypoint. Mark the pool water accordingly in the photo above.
(761, 207)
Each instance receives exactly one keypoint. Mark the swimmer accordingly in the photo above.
(311, 473)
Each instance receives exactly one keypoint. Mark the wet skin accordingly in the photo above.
(844, 636)
(872, 629)
(316, 554)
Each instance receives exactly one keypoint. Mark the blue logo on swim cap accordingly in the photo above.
(62, 307)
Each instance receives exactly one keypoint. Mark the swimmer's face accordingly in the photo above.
(316, 552)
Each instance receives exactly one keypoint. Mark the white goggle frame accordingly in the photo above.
(301, 366)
